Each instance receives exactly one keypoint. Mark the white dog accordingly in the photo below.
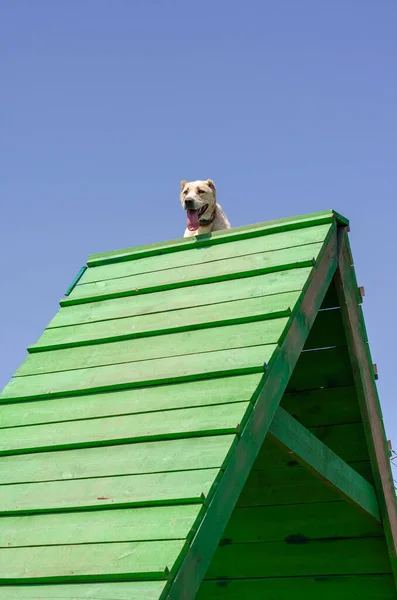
(203, 213)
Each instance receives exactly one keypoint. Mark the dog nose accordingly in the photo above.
(189, 203)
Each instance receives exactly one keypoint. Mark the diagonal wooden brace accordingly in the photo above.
(323, 462)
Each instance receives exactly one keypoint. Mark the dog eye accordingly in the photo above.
(185, 192)
(201, 191)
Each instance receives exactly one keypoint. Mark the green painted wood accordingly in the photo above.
(273, 363)
(124, 402)
(291, 485)
(131, 590)
(99, 526)
(346, 440)
(235, 312)
(361, 361)
(345, 258)
(348, 587)
(180, 487)
(164, 346)
(324, 463)
(182, 298)
(335, 557)
(299, 522)
(324, 406)
(138, 560)
(197, 561)
(218, 237)
(323, 374)
(141, 373)
(219, 419)
(232, 268)
(322, 368)
(203, 254)
(327, 331)
(126, 459)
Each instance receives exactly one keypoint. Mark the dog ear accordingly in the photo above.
(183, 183)
(211, 184)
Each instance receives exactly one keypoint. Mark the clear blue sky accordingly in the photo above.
(290, 106)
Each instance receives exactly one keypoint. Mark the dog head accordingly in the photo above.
(198, 199)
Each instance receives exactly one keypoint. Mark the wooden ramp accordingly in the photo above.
(200, 420)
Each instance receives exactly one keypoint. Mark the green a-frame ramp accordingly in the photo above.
(200, 420)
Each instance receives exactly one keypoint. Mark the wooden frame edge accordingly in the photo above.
(359, 353)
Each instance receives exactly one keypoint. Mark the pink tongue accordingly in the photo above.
(193, 222)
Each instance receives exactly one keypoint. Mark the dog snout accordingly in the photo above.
(190, 203)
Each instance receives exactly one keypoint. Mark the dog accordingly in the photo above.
(203, 213)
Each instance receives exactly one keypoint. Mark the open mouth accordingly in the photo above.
(193, 217)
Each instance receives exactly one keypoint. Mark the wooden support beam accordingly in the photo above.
(360, 358)
(314, 454)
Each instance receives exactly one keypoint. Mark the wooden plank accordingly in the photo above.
(207, 254)
(131, 590)
(204, 295)
(347, 587)
(182, 487)
(142, 373)
(136, 560)
(201, 421)
(327, 331)
(291, 485)
(197, 561)
(367, 393)
(126, 402)
(324, 406)
(321, 368)
(125, 459)
(334, 557)
(163, 346)
(346, 440)
(187, 319)
(232, 268)
(218, 237)
(99, 526)
(299, 522)
(324, 463)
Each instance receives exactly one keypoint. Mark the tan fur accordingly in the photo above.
(201, 193)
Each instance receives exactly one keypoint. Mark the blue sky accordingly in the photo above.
(106, 105)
